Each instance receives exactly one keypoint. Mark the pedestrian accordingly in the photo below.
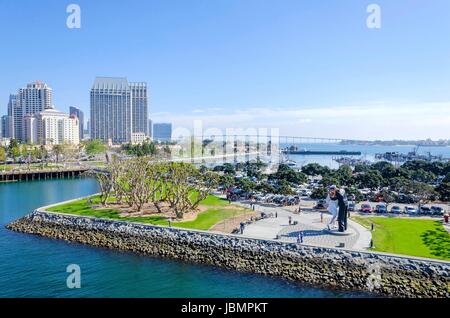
(290, 220)
(242, 226)
(276, 214)
(300, 237)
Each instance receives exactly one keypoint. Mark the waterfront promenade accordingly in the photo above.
(309, 223)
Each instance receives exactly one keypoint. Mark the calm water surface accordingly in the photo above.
(32, 266)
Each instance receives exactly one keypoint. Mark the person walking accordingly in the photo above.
(300, 237)
(242, 226)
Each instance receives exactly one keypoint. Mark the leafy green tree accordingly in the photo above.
(361, 167)
(371, 179)
(388, 197)
(227, 181)
(59, 150)
(246, 184)
(319, 193)
(95, 147)
(228, 168)
(284, 188)
(315, 169)
(421, 175)
(345, 175)
(444, 191)
(386, 169)
(14, 152)
(288, 174)
(265, 188)
(3, 155)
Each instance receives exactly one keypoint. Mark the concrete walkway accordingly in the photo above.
(309, 224)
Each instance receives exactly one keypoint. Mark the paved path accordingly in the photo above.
(309, 223)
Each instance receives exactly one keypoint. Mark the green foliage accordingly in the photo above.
(246, 184)
(205, 220)
(228, 168)
(371, 179)
(315, 169)
(147, 148)
(288, 174)
(344, 175)
(2, 154)
(444, 191)
(227, 181)
(284, 188)
(319, 193)
(94, 147)
(424, 238)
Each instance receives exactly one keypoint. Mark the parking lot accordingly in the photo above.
(303, 201)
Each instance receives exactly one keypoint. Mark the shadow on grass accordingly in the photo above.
(438, 241)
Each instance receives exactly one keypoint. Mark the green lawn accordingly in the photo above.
(205, 220)
(424, 238)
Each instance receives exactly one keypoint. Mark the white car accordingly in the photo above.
(410, 210)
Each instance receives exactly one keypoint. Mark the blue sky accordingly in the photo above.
(306, 67)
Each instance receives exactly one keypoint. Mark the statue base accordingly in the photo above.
(348, 232)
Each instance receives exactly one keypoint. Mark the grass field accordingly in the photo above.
(215, 212)
(424, 238)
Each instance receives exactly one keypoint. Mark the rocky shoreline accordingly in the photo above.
(340, 269)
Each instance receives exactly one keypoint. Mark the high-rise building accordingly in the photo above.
(80, 115)
(162, 132)
(150, 128)
(15, 117)
(35, 97)
(139, 102)
(118, 109)
(4, 133)
(51, 127)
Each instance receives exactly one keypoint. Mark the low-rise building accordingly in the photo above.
(51, 127)
(138, 138)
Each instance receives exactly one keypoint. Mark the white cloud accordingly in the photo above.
(374, 120)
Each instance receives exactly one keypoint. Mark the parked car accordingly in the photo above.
(320, 204)
(366, 208)
(381, 208)
(396, 209)
(437, 210)
(425, 210)
(351, 207)
(410, 210)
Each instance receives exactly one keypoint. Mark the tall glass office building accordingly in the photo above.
(162, 132)
(118, 109)
(80, 115)
(139, 107)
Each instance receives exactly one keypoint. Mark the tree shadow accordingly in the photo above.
(438, 241)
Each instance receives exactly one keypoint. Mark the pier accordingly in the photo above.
(41, 174)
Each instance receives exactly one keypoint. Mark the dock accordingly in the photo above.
(41, 174)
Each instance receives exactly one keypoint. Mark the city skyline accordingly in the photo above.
(250, 64)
